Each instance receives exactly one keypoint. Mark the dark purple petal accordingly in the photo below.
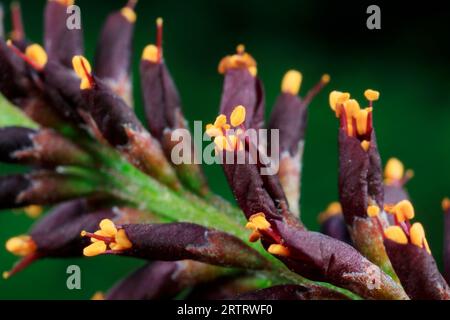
(242, 88)
(336, 228)
(180, 241)
(113, 54)
(61, 43)
(292, 292)
(163, 280)
(417, 271)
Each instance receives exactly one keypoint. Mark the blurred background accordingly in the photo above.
(407, 61)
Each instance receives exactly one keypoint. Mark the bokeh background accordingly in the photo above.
(407, 60)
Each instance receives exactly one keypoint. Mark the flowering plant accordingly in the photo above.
(116, 191)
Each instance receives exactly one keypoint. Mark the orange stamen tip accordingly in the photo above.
(159, 22)
(259, 221)
(21, 245)
(33, 211)
(66, 3)
(417, 236)
(83, 69)
(292, 82)
(338, 98)
(333, 209)
(238, 116)
(98, 296)
(151, 53)
(108, 227)
(37, 55)
(129, 14)
(83, 233)
(95, 249)
(254, 236)
(325, 78)
(446, 204)
(396, 234)
(403, 210)
(5, 275)
(240, 49)
(372, 95)
(373, 211)
(394, 170)
(365, 145)
(279, 250)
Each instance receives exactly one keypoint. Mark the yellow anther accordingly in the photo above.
(373, 211)
(66, 3)
(33, 211)
(21, 245)
(83, 69)
(228, 143)
(352, 108)
(446, 204)
(372, 95)
(254, 236)
(237, 116)
(122, 240)
(259, 221)
(159, 22)
(98, 233)
(279, 250)
(417, 235)
(129, 14)
(98, 296)
(333, 209)
(95, 249)
(108, 227)
(396, 234)
(361, 121)
(365, 145)
(221, 121)
(37, 54)
(213, 131)
(292, 82)
(5, 275)
(240, 49)
(325, 78)
(150, 53)
(394, 170)
(337, 97)
(403, 210)
(253, 70)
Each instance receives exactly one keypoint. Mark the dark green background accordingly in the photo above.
(407, 61)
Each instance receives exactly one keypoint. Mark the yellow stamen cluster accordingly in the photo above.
(446, 204)
(33, 211)
(403, 210)
(292, 82)
(240, 60)
(218, 130)
(21, 245)
(83, 69)
(340, 101)
(333, 209)
(108, 229)
(256, 223)
(37, 55)
(129, 14)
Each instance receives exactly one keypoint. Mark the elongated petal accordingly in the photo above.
(113, 54)
(292, 292)
(61, 42)
(417, 271)
(322, 258)
(42, 188)
(178, 241)
(163, 280)
(43, 147)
